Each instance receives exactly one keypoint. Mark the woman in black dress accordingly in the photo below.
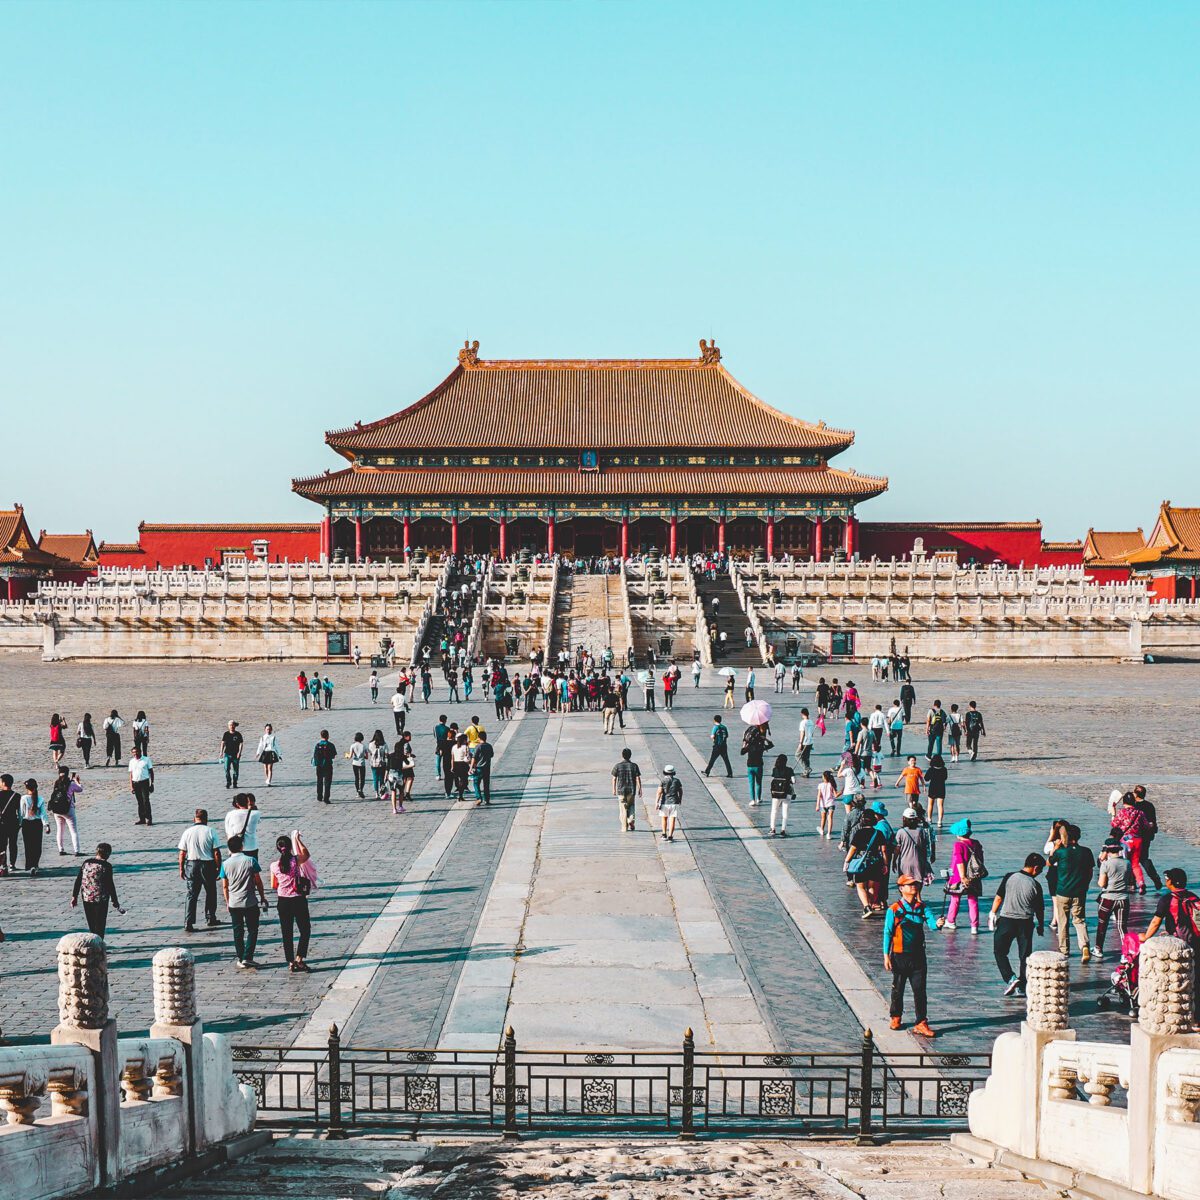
(935, 784)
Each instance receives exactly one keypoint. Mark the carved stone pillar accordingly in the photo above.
(175, 1016)
(1047, 999)
(1165, 986)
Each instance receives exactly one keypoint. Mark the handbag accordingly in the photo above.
(861, 860)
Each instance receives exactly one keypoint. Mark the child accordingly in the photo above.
(876, 767)
(826, 796)
(956, 731)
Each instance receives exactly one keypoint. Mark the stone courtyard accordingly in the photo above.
(440, 926)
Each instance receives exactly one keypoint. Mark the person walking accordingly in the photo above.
(358, 756)
(1150, 813)
(755, 745)
(58, 738)
(895, 726)
(240, 881)
(85, 739)
(62, 805)
(797, 675)
(826, 799)
(780, 673)
(323, 756)
(141, 784)
(113, 724)
(199, 862)
(141, 732)
(1177, 914)
(876, 724)
(10, 824)
(327, 689)
(377, 757)
(626, 784)
(668, 801)
(96, 887)
(408, 768)
(936, 776)
(1018, 906)
(866, 863)
(35, 823)
(482, 755)
(242, 821)
(291, 880)
(302, 685)
(973, 727)
(783, 789)
(446, 752)
(719, 736)
(697, 671)
(231, 752)
(908, 697)
(729, 684)
(1116, 886)
(913, 847)
(1130, 822)
(911, 779)
(904, 953)
(268, 753)
(460, 766)
(804, 747)
(373, 684)
(750, 685)
(314, 690)
(610, 701)
(399, 704)
(935, 730)
(1071, 868)
(967, 873)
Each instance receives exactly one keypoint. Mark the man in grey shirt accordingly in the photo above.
(1018, 905)
(1116, 886)
(241, 881)
(626, 783)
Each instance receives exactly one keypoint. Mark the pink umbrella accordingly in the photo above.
(756, 712)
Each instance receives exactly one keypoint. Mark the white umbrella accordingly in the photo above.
(756, 712)
(643, 676)
(727, 671)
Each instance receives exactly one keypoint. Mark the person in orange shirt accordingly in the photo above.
(912, 778)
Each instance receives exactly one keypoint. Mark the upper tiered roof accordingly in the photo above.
(1174, 538)
(589, 404)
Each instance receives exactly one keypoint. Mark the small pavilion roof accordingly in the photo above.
(1109, 548)
(589, 404)
(1174, 538)
(76, 548)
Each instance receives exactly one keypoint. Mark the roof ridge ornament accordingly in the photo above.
(710, 353)
(468, 356)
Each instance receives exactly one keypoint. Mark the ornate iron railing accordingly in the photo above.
(860, 1093)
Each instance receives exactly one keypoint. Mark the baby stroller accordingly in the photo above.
(1123, 995)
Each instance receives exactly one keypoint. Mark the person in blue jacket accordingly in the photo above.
(904, 927)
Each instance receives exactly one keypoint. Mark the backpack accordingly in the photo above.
(1185, 908)
(672, 791)
(937, 721)
(91, 882)
(781, 787)
(60, 801)
(973, 867)
(720, 736)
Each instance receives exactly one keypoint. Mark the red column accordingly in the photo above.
(407, 534)
(327, 537)
(358, 554)
(550, 536)
(818, 530)
(770, 537)
(721, 536)
(624, 537)
(851, 531)
(454, 535)
(673, 545)
(503, 537)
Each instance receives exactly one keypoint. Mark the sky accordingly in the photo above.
(968, 232)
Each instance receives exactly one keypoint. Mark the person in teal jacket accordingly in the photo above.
(904, 926)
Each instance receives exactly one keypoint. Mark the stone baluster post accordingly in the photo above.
(175, 1016)
(83, 1020)
(1165, 1020)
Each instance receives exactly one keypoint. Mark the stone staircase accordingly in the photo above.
(595, 616)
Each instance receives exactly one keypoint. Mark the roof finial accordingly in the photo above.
(468, 356)
(709, 353)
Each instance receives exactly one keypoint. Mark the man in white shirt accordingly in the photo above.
(780, 672)
(141, 783)
(399, 710)
(876, 723)
(804, 748)
(199, 859)
(242, 821)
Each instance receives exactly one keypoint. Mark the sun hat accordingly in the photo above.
(877, 806)
(961, 828)
(910, 814)
(668, 770)
(905, 880)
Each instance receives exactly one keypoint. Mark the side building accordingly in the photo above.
(588, 457)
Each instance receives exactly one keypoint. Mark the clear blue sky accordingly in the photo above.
(968, 232)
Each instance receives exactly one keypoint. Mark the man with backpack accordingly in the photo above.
(1178, 914)
(904, 927)
(323, 756)
(719, 736)
(973, 723)
(1071, 868)
(935, 729)
(668, 800)
(908, 697)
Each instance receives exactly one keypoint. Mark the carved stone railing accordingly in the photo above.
(118, 1107)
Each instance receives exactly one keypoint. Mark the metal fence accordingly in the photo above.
(859, 1093)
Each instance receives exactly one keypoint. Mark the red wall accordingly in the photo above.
(190, 546)
(986, 544)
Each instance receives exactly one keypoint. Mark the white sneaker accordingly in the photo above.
(949, 925)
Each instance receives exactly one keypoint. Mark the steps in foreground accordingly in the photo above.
(613, 1170)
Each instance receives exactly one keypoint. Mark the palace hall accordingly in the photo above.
(586, 458)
